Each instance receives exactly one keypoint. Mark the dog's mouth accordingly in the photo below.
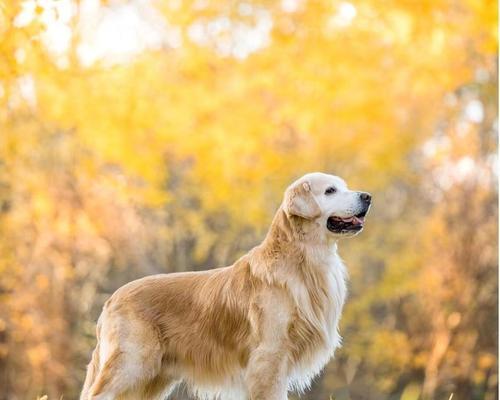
(346, 225)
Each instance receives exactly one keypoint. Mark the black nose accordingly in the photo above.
(366, 197)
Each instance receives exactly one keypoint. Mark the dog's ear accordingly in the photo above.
(300, 201)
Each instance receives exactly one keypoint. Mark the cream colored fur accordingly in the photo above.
(255, 330)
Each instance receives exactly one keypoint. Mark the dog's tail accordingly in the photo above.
(92, 370)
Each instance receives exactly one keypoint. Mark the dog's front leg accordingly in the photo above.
(266, 374)
(266, 377)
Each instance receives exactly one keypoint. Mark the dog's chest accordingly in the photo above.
(314, 332)
(336, 292)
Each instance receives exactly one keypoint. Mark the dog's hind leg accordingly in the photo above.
(111, 380)
(130, 357)
(92, 367)
(121, 373)
(92, 371)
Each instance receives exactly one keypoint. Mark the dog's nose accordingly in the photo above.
(366, 197)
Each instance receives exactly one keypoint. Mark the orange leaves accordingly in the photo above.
(175, 156)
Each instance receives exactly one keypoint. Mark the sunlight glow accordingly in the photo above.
(346, 12)
(474, 111)
(234, 38)
(118, 32)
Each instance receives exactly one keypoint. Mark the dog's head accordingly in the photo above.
(326, 204)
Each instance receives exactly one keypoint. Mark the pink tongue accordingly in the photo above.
(357, 221)
(354, 220)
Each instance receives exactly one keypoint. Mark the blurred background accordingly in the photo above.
(139, 137)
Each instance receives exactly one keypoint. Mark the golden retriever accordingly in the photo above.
(255, 330)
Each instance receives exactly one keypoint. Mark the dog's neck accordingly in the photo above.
(281, 229)
(313, 273)
(288, 246)
(290, 230)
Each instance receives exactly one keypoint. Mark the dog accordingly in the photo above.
(254, 330)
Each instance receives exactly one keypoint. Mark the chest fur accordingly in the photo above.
(313, 331)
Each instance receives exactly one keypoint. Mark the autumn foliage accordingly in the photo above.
(131, 148)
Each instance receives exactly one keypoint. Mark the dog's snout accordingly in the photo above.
(365, 197)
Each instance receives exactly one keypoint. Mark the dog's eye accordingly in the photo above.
(330, 190)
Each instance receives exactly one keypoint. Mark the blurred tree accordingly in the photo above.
(176, 158)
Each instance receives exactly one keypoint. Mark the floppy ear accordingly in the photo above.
(300, 201)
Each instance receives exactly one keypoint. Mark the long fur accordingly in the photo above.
(256, 329)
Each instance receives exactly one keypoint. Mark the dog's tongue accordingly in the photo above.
(353, 220)
(357, 220)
